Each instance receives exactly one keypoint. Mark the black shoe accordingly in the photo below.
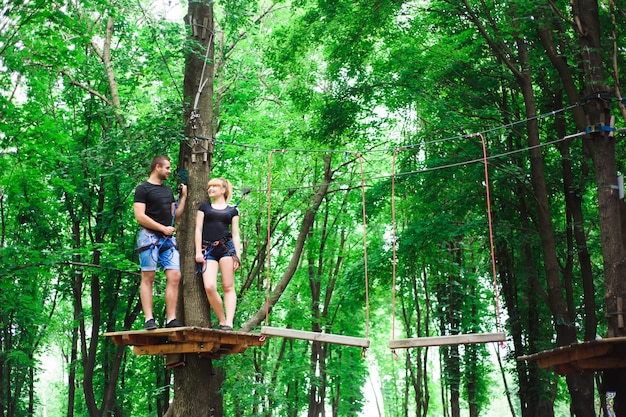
(173, 323)
(224, 327)
(150, 325)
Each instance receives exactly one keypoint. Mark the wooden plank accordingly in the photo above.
(186, 340)
(580, 357)
(616, 342)
(457, 339)
(571, 354)
(174, 360)
(601, 363)
(315, 336)
(224, 338)
(149, 333)
(142, 339)
(170, 348)
(235, 349)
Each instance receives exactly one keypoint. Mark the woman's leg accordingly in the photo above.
(228, 288)
(209, 277)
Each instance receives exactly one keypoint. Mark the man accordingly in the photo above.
(156, 210)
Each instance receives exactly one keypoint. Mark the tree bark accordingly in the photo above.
(602, 146)
(195, 157)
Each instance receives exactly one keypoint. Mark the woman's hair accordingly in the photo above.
(223, 182)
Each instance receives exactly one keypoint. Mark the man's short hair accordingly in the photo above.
(158, 160)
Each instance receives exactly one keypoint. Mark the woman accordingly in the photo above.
(218, 245)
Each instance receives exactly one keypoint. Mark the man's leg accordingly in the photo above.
(145, 293)
(147, 261)
(171, 293)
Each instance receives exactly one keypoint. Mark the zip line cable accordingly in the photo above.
(429, 169)
(409, 146)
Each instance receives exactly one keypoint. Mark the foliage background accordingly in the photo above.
(91, 90)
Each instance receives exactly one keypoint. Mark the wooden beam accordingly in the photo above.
(315, 336)
(457, 339)
(593, 355)
(566, 369)
(173, 348)
(602, 363)
(143, 339)
(174, 360)
(237, 349)
(569, 354)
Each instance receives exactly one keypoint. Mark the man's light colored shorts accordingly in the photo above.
(161, 251)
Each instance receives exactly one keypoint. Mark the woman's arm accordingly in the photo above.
(198, 236)
(234, 230)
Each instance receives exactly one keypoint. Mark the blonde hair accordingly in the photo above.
(224, 183)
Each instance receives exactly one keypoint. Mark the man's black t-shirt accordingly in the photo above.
(158, 200)
(216, 222)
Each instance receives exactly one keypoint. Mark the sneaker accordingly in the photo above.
(150, 325)
(224, 327)
(173, 323)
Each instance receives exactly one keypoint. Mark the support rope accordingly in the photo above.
(367, 309)
(394, 240)
(394, 244)
(268, 248)
(269, 235)
(493, 254)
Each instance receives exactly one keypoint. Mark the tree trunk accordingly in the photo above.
(521, 297)
(602, 146)
(195, 158)
(575, 220)
(318, 357)
(580, 387)
(77, 283)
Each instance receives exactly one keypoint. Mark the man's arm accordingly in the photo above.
(147, 222)
(181, 203)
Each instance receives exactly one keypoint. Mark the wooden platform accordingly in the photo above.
(208, 342)
(595, 355)
(457, 339)
(315, 336)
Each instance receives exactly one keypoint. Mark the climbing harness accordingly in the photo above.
(209, 247)
(164, 247)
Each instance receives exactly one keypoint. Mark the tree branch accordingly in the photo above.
(86, 88)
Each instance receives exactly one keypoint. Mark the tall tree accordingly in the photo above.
(601, 142)
(195, 158)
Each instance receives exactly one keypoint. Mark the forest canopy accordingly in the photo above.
(417, 169)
